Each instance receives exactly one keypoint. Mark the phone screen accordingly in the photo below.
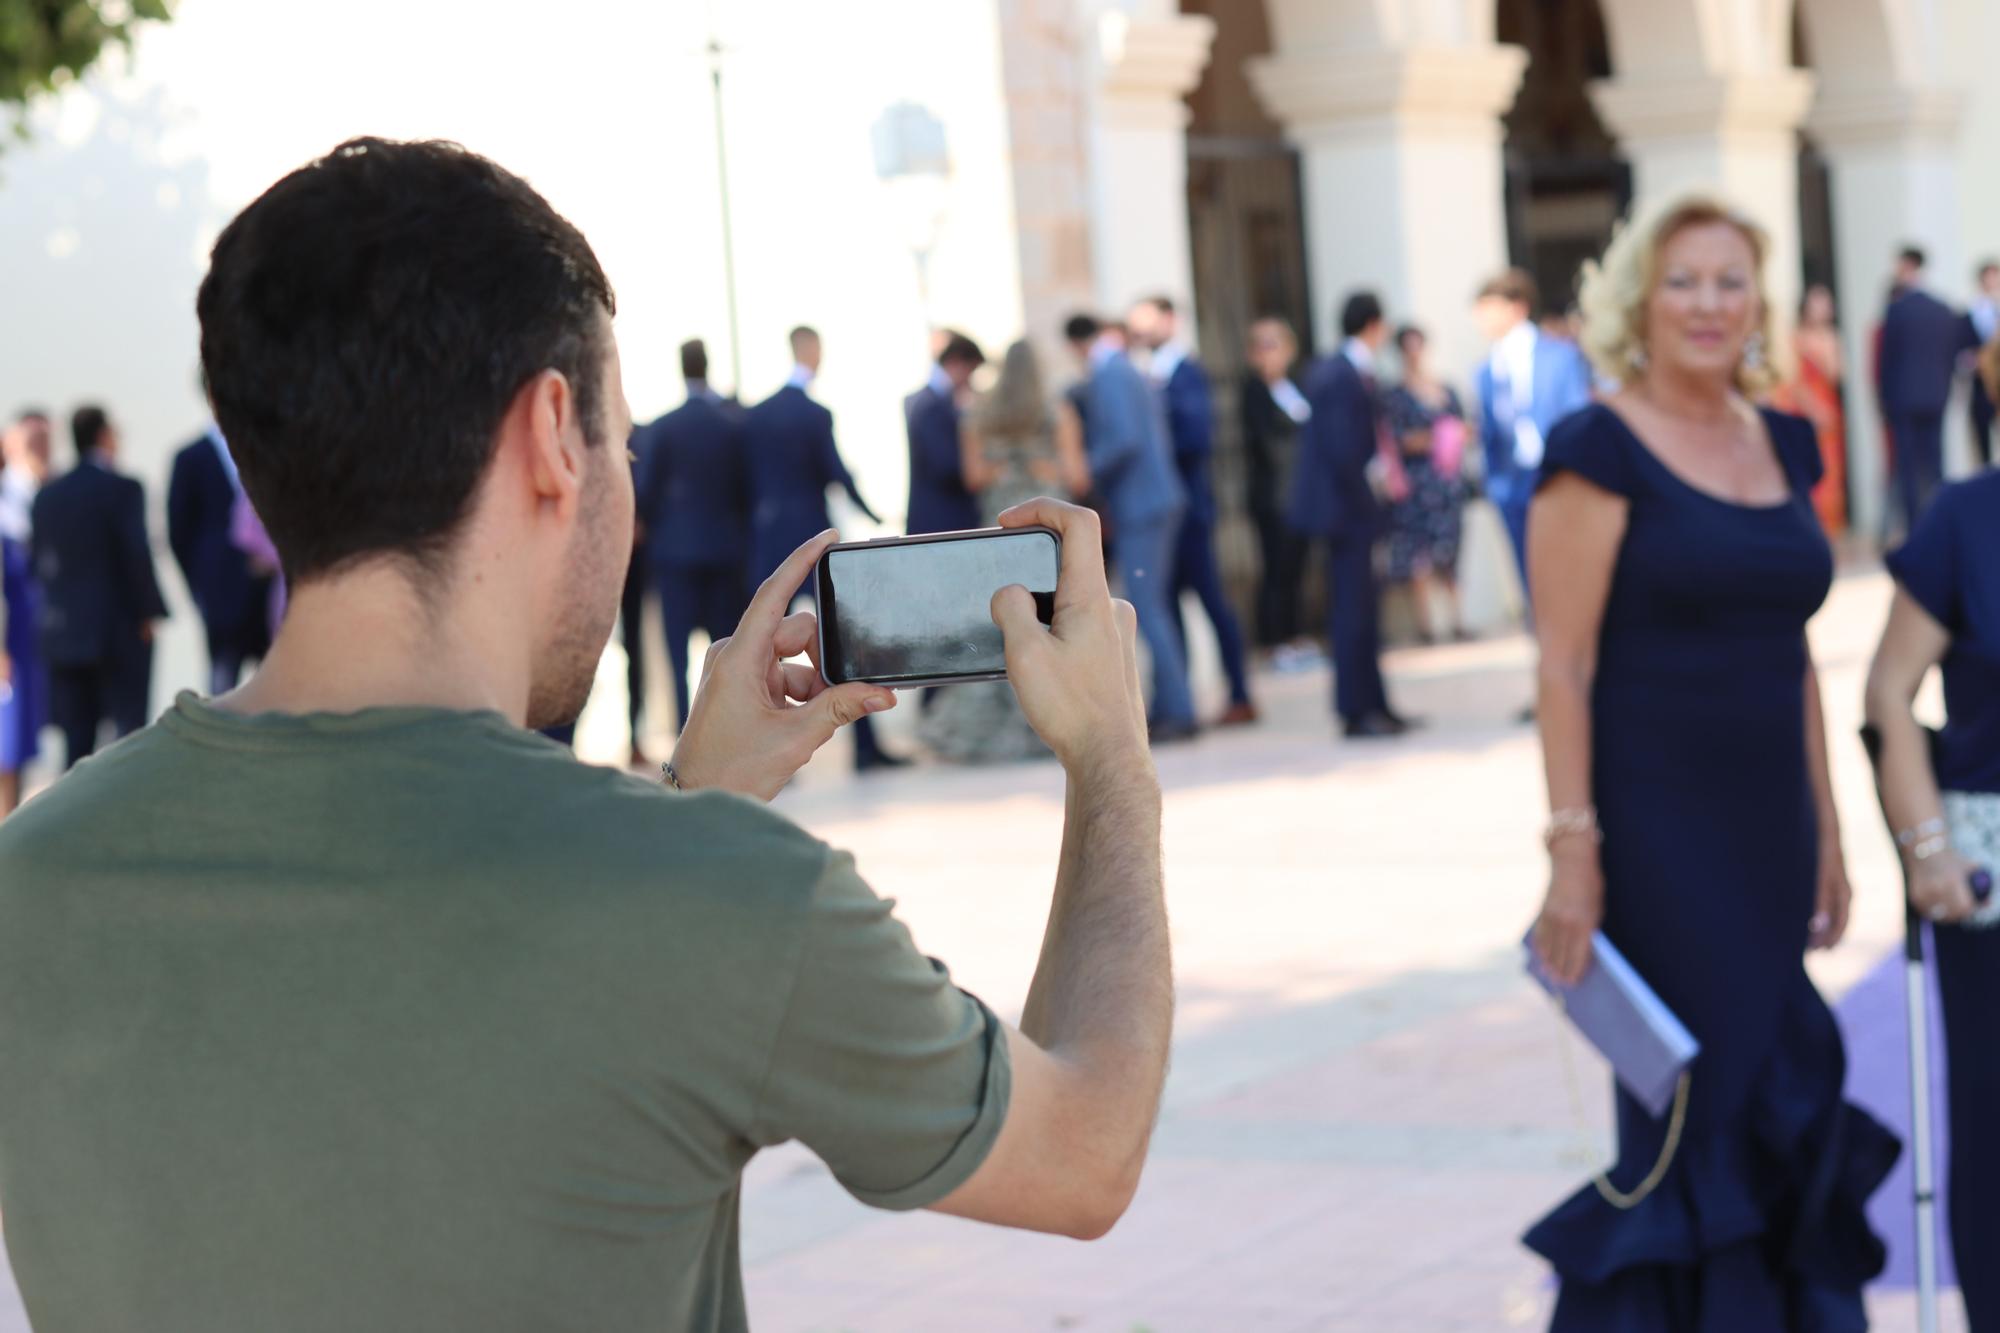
(906, 611)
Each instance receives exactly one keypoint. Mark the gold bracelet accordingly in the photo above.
(672, 777)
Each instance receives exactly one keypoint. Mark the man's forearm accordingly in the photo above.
(1102, 997)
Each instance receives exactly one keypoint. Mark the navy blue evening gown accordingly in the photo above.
(1710, 863)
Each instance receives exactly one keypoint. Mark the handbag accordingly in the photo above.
(1648, 1047)
(1973, 820)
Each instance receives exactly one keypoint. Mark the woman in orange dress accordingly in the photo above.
(1814, 393)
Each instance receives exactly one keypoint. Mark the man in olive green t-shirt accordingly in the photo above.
(346, 1002)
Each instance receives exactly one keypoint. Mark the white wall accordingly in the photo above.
(1974, 41)
(604, 105)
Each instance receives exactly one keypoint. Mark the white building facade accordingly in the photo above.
(1417, 171)
(1244, 156)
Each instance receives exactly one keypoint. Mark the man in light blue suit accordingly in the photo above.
(1132, 464)
(1530, 382)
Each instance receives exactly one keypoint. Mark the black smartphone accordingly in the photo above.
(910, 611)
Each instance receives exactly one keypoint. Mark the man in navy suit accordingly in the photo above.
(1529, 383)
(99, 597)
(1922, 341)
(1333, 500)
(1182, 384)
(939, 501)
(1125, 438)
(789, 447)
(232, 598)
(1985, 317)
(694, 498)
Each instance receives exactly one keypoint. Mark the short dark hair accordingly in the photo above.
(87, 426)
(801, 334)
(27, 414)
(1360, 312)
(1516, 286)
(1913, 255)
(1986, 266)
(365, 325)
(1407, 332)
(694, 359)
(1081, 327)
(958, 347)
(1163, 304)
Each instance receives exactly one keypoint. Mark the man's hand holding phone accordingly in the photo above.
(758, 717)
(1078, 678)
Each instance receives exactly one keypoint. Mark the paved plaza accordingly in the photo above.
(1368, 1103)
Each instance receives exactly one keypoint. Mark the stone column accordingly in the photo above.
(1736, 135)
(1404, 193)
(1893, 155)
(1403, 178)
(1138, 137)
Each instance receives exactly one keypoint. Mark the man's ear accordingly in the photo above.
(543, 425)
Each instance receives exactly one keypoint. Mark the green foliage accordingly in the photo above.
(45, 44)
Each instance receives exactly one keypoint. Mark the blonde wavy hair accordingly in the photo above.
(1016, 405)
(1615, 290)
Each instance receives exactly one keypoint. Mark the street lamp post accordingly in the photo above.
(728, 240)
(910, 158)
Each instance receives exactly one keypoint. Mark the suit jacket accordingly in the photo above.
(1331, 496)
(1922, 339)
(200, 503)
(1270, 448)
(694, 486)
(1190, 409)
(789, 448)
(1562, 386)
(939, 501)
(94, 565)
(1125, 437)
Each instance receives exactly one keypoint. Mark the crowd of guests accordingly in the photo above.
(82, 599)
(1365, 457)
(726, 491)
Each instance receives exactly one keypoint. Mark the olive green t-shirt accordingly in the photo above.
(407, 1020)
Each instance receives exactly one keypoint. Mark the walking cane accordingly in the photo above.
(1922, 1130)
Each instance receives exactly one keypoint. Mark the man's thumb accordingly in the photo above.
(1014, 612)
(842, 704)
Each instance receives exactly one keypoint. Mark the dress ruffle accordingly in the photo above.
(1759, 1226)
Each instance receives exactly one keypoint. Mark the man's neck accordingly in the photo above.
(368, 640)
(700, 389)
(801, 377)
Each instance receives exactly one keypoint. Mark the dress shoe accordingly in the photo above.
(1406, 723)
(1374, 727)
(1238, 715)
(1170, 733)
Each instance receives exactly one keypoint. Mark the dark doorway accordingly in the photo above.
(1246, 228)
(1566, 184)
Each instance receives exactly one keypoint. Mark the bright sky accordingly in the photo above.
(605, 105)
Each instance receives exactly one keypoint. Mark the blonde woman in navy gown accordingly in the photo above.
(1675, 559)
